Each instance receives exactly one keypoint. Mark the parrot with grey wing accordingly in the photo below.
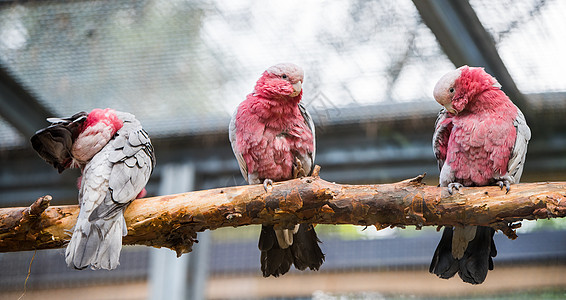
(273, 139)
(116, 159)
(480, 139)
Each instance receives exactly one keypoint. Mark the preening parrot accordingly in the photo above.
(273, 139)
(480, 139)
(116, 159)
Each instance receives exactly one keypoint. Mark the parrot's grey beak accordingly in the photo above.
(450, 109)
(297, 87)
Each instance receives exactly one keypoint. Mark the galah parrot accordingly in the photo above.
(116, 159)
(480, 139)
(273, 139)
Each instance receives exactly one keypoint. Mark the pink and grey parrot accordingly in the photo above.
(116, 159)
(273, 139)
(480, 139)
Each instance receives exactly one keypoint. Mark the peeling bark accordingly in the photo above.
(172, 221)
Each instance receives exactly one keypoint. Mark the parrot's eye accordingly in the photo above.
(284, 76)
(451, 90)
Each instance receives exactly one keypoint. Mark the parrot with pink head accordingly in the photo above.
(116, 159)
(273, 139)
(480, 139)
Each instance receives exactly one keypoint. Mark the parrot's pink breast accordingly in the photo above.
(480, 147)
(269, 145)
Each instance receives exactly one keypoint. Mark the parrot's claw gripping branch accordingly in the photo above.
(268, 185)
(172, 221)
(506, 184)
(454, 186)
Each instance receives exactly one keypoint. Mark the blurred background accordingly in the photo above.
(182, 67)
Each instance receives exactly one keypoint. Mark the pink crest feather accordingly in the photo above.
(106, 116)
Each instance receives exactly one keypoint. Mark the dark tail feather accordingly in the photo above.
(477, 259)
(274, 260)
(493, 251)
(304, 252)
(443, 264)
(305, 249)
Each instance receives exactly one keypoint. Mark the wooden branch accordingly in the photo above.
(172, 221)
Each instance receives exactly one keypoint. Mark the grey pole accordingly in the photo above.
(198, 267)
(168, 274)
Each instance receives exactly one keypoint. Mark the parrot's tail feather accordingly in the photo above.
(274, 260)
(476, 261)
(478, 257)
(443, 264)
(96, 244)
(304, 251)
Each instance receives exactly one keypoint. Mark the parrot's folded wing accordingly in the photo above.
(442, 129)
(54, 143)
(132, 159)
(517, 160)
(233, 137)
(308, 159)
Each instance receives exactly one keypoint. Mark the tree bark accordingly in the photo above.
(172, 221)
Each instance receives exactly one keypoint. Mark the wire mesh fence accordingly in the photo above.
(182, 67)
(527, 40)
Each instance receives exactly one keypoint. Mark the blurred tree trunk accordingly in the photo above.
(172, 221)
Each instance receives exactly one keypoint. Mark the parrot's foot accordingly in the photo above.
(454, 186)
(268, 185)
(504, 183)
(298, 170)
